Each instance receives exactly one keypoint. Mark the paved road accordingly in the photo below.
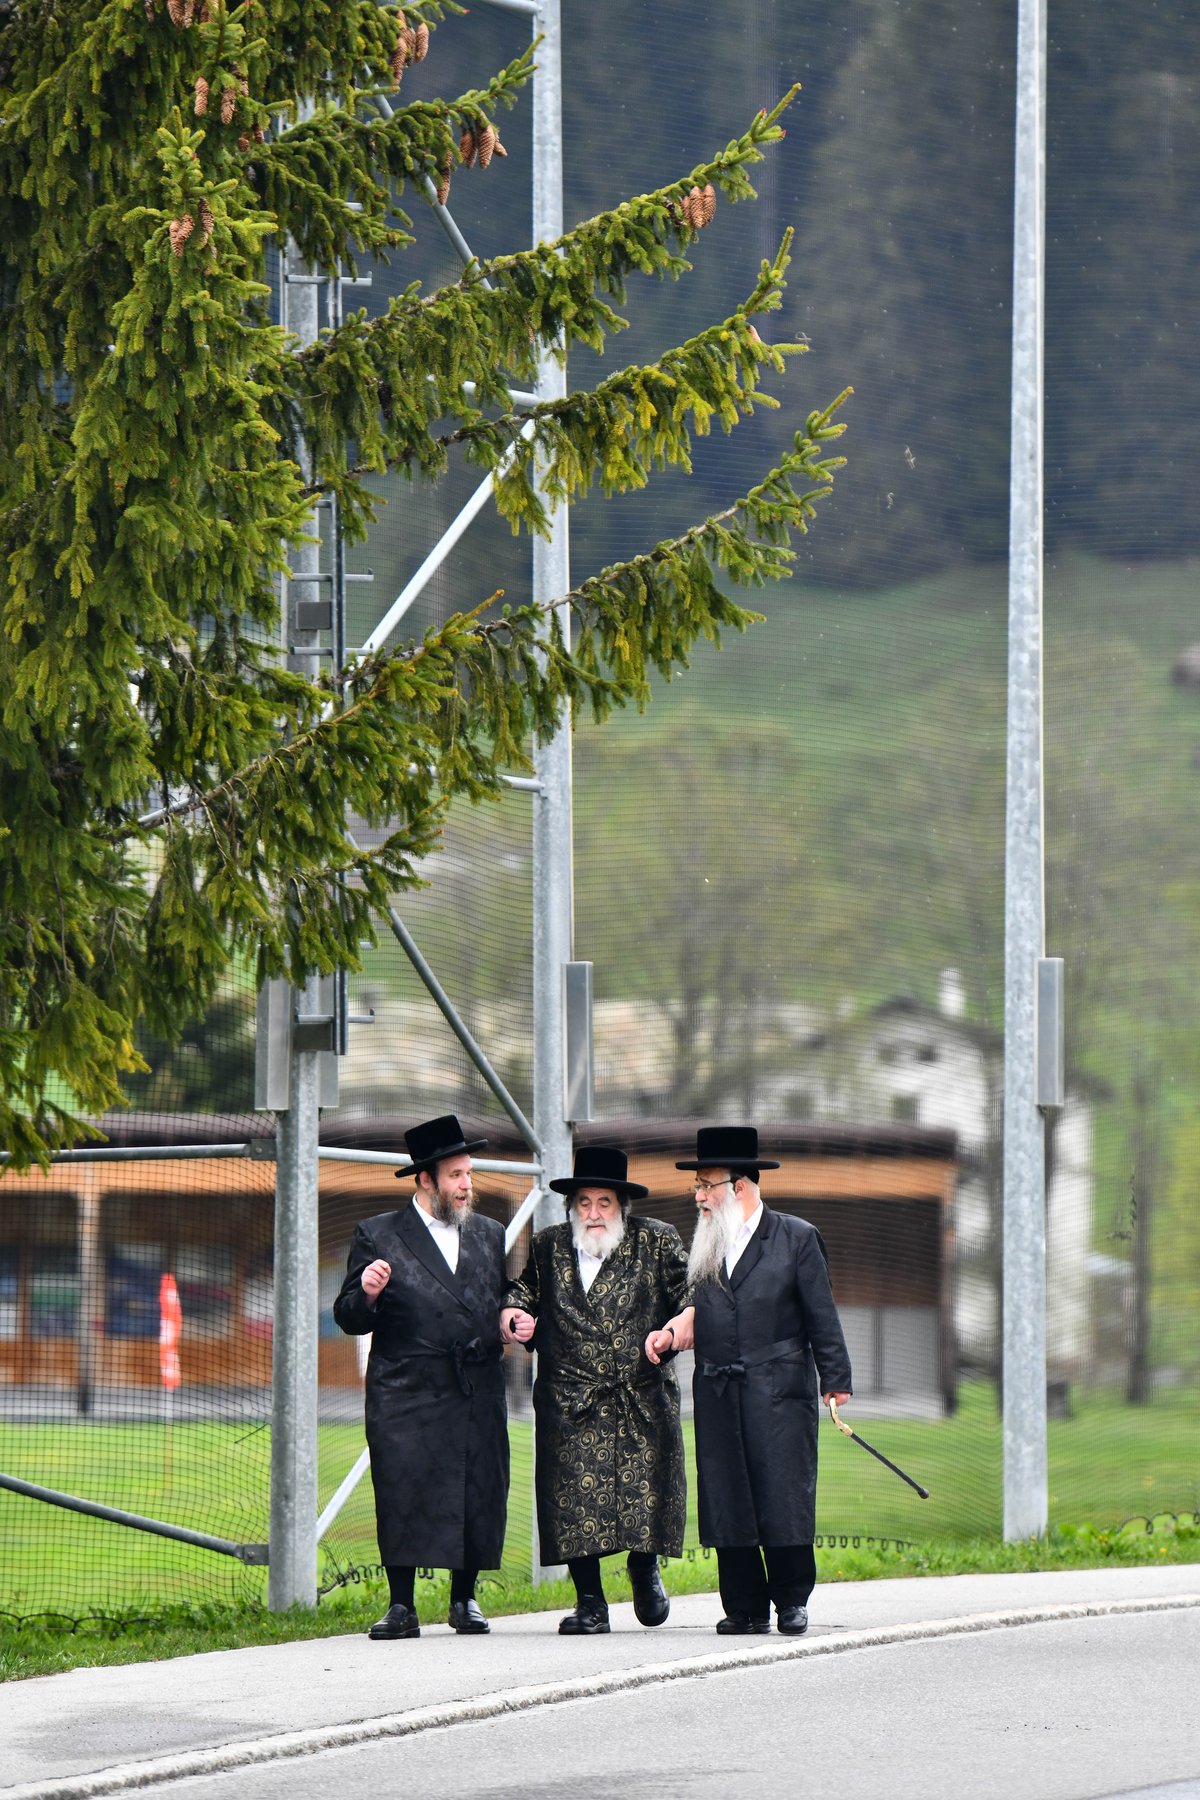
(1043, 1712)
(933, 1689)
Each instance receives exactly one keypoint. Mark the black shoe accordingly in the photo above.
(740, 1624)
(399, 1621)
(589, 1619)
(465, 1616)
(792, 1619)
(650, 1601)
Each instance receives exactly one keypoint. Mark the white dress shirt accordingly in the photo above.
(589, 1267)
(749, 1227)
(446, 1237)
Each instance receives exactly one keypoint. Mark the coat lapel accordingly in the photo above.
(752, 1252)
(417, 1239)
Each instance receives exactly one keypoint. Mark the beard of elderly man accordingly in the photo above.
(597, 1233)
(719, 1217)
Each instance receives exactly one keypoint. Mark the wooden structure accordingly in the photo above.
(82, 1248)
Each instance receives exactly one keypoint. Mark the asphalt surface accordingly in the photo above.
(247, 1721)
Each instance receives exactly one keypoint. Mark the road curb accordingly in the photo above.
(153, 1771)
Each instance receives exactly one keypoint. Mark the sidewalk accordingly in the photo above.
(88, 1731)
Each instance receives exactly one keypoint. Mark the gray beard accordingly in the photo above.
(715, 1232)
(597, 1243)
(445, 1212)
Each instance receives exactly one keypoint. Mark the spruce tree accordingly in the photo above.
(169, 789)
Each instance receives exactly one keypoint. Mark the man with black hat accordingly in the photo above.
(426, 1282)
(610, 1472)
(765, 1326)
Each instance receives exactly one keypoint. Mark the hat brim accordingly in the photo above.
(730, 1162)
(570, 1184)
(427, 1162)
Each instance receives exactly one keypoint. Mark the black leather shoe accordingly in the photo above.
(589, 1619)
(399, 1621)
(792, 1619)
(465, 1616)
(650, 1601)
(740, 1624)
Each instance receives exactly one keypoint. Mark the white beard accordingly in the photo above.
(597, 1243)
(715, 1232)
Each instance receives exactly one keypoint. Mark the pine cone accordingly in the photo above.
(401, 21)
(498, 148)
(244, 141)
(485, 143)
(228, 104)
(151, 10)
(408, 39)
(260, 136)
(686, 206)
(708, 204)
(468, 148)
(177, 10)
(179, 231)
(202, 13)
(442, 186)
(421, 42)
(206, 223)
(201, 96)
(398, 61)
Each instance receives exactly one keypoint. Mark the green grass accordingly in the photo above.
(40, 1647)
(96, 1592)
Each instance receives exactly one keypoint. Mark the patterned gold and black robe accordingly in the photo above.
(610, 1472)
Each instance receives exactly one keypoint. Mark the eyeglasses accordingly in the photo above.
(706, 1187)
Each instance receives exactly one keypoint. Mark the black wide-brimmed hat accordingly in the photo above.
(731, 1147)
(433, 1142)
(601, 1165)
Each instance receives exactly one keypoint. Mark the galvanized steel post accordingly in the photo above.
(293, 1527)
(553, 901)
(553, 898)
(1025, 1461)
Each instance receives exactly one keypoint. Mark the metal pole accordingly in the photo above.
(553, 900)
(1024, 1267)
(293, 1576)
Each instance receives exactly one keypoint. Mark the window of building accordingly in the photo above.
(204, 1274)
(904, 1109)
(54, 1291)
(134, 1272)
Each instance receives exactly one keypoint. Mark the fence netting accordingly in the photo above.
(789, 870)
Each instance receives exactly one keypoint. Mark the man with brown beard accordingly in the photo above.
(764, 1326)
(610, 1470)
(426, 1282)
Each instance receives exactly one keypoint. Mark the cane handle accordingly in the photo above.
(837, 1418)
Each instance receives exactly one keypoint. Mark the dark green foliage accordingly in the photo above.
(170, 789)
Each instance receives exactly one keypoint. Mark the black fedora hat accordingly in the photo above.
(434, 1141)
(730, 1147)
(601, 1165)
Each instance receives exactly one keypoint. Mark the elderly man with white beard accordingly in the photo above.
(764, 1327)
(610, 1470)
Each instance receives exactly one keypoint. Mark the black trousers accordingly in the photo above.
(747, 1587)
(402, 1580)
(585, 1572)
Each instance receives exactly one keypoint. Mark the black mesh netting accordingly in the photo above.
(789, 872)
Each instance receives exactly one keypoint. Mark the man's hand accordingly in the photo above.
(375, 1278)
(840, 1398)
(677, 1334)
(516, 1326)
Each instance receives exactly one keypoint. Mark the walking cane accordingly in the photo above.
(885, 1460)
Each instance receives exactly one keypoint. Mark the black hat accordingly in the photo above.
(433, 1142)
(601, 1165)
(731, 1147)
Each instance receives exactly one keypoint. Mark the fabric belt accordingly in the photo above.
(721, 1374)
(586, 1394)
(461, 1355)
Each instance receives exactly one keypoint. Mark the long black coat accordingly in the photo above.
(610, 1470)
(762, 1336)
(436, 1417)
